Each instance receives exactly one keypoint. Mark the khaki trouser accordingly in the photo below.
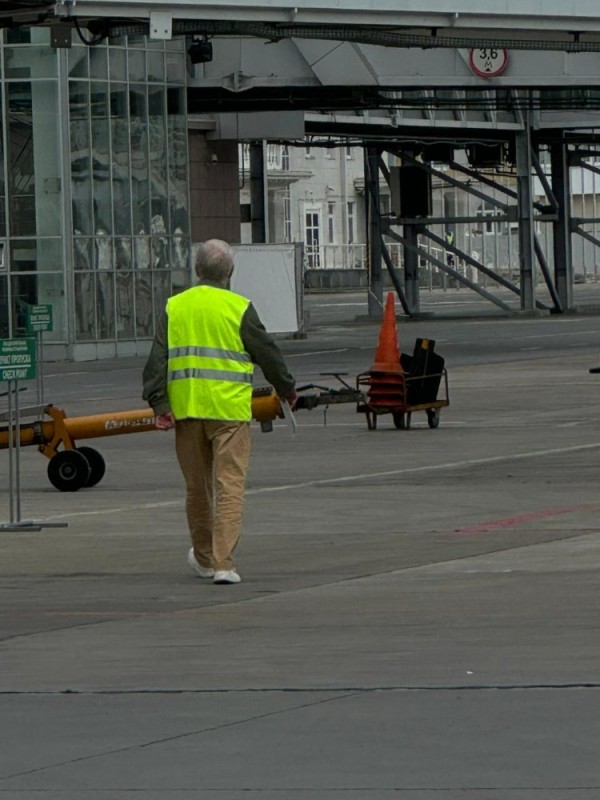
(213, 456)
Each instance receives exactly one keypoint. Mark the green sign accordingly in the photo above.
(17, 359)
(38, 318)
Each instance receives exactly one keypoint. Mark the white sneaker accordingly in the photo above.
(203, 572)
(226, 576)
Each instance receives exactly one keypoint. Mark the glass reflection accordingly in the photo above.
(85, 306)
(143, 304)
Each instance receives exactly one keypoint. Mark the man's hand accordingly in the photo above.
(292, 399)
(165, 422)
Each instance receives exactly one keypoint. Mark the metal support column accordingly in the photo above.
(258, 199)
(561, 228)
(526, 228)
(411, 267)
(373, 209)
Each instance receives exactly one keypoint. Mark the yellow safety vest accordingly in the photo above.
(209, 373)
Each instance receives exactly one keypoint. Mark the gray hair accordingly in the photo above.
(214, 261)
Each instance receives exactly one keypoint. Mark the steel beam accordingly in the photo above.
(561, 229)
(526, 229)
(372, 197)
(258, 203)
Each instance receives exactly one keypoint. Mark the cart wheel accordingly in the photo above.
(97, 465)
(69, 470)
(399, 420)
(433, 417)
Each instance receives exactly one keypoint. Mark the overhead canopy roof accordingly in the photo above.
(529, 15)
(393, 23)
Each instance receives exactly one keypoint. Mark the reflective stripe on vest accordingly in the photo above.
(209, 374)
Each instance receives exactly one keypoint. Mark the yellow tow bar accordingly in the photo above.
(72, 467)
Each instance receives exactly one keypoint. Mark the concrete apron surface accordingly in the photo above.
(418, 616)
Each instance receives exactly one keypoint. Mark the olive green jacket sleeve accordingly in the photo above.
(263, 351)
(155, 371)
(259, 344)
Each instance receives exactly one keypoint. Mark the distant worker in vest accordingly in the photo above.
(198, 379)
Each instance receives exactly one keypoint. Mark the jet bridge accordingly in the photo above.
(400, 79)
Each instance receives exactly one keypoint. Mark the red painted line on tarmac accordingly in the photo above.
(508, 522)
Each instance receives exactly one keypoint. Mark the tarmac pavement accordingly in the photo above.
(419, 612)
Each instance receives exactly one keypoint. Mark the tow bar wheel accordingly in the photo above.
(69, 470)
(97, 465)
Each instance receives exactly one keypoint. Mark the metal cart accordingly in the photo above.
(424, 377)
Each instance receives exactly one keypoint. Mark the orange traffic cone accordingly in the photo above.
(386, 376)
(387, 355)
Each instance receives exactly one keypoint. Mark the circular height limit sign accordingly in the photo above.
(488, 62)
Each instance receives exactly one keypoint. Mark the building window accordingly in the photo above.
(488, 225)
(312, 238)
(330, 223)
(349, 152)
(285, 157)
(350, 219)
(287, 216)
(308, 152)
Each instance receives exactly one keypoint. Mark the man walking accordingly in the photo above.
(198, 379)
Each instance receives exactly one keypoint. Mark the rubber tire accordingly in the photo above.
(433, 417)
(69, 471)
(97, 465)
(399, 420)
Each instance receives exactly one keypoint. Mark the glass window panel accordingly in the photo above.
(18, 35)
(180, 253)
(23, 293)
(158, 159)
(5, 331)
(47, 158)
(44, 288)
(101, 159)
(125, 305)
(159, 245)
(20, 159)
(33, 159)
(82, 253)
(99, 62)
(178, 166)
(156, 65)
(180, 280)
(30, 62)
(161, 292)
(121, 167)
(78, 62)
(51, 291)
(105, 305)
(36, 255)
(137, 65)
(81, 165)
(123, 253)
(143, 304)
(176, 67)
(85, 306)
(140, 185)
(23, 255)
(141, 252)
(2, 181)
(117, 60)
(103, 256)
(50, 256)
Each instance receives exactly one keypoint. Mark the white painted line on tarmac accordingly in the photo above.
(474, 462)
(317, 353)
(560, 334)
